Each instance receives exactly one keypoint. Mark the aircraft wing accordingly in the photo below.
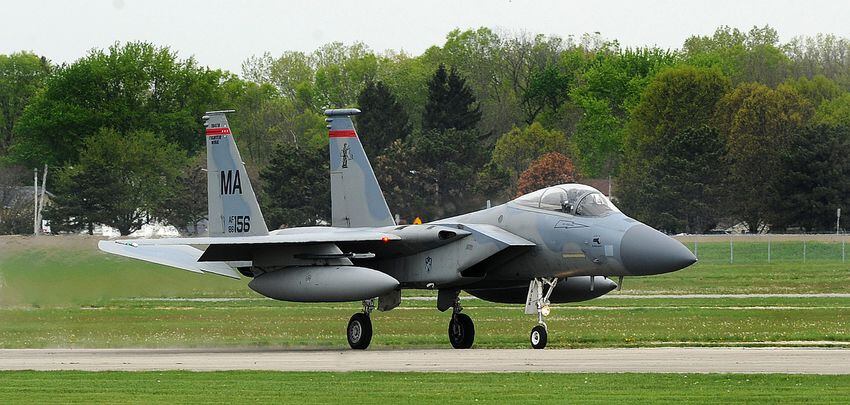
(179, 256)
(237, 248)
(330, 235)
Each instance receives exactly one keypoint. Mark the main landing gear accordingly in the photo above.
(359, 331)
(461, 329)
(538, 303)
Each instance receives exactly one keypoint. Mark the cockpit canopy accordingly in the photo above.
(575, 199)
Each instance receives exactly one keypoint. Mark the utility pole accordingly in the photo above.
(41, 201)
(35, 202)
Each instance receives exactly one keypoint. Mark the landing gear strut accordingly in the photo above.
(359, 331)
(538, 303)
(461, 328)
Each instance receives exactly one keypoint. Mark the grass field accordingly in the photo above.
(427, 388)
(63, 292)
(267, 323)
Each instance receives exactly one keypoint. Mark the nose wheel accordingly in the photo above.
(539, 336)
(538, 304)
(359, 330)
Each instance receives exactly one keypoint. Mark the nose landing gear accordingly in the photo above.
(359, 331)
(538, 303)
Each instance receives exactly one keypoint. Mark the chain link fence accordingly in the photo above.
(768, 248)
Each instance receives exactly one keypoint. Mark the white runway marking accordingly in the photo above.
(723, 296)
(610, 296)
(649, 360)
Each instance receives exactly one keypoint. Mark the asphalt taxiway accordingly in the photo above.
(638, 360)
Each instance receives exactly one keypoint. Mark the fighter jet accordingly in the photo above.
(555, 245)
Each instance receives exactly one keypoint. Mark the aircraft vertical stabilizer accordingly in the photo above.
(233, 207)
(356, 197)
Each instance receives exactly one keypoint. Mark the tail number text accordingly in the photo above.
(238, 224)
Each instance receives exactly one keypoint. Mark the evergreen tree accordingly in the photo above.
(816, 180)
(383, 119)
(686, 184)
(450, 104)
(296, 187)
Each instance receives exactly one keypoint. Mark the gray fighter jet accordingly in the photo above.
(555, 245)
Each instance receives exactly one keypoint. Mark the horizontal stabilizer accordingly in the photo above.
(179, 256)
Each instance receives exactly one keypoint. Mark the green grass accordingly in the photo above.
(71, 270)
(267, 323)
(429, 388)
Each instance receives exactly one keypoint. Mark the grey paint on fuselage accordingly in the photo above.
(552, 237)
(566, 246)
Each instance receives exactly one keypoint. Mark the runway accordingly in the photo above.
(638, 360)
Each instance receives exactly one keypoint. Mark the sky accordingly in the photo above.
(222, 34)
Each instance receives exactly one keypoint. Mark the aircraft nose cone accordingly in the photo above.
(644, 250)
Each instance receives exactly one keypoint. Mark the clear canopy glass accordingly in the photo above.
(576, 199)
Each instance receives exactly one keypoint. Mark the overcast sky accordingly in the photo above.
(222, 34)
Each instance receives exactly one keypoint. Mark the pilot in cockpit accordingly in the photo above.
(574, 199)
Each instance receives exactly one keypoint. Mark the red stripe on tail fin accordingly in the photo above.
(218, 131)
(342, 133)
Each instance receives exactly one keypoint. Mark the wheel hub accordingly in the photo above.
(355, 332)
(457, 331)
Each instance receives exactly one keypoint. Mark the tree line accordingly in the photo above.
(732, 127)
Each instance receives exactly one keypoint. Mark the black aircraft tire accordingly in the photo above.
(359, 331)
(539, 337)
(461, 331)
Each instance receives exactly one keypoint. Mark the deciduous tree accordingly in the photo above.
(22, 74)
(515, 150)
(129, 87)
(551, 169)
(122, 180)
(759, 124)
(186, 204)
(677, 100)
